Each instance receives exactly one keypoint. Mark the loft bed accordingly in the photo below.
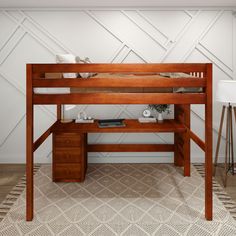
(125, 84)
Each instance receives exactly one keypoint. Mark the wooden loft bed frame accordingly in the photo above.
(180, 125)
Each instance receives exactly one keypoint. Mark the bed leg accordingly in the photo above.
(187, 164)
(182, 140)
(208, 150)
(29, 147)
(178, 157)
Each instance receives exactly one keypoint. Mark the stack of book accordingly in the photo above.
(111, 123)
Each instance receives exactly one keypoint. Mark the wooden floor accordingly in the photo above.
(10, 174)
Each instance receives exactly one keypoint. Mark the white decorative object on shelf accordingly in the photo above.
(160, 117)
(83, 118)
(146, 113)
(84, 121)
(147, 120)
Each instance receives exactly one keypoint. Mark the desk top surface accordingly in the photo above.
(131, 126)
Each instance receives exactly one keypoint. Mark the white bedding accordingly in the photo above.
(52, 90)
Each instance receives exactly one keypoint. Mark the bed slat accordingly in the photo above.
(121, 82)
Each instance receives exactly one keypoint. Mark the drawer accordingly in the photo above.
(67, 171)
(67, 140)
(67, 155)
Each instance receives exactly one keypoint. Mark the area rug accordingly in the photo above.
(120, 199)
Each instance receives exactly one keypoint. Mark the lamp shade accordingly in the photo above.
(226, 91)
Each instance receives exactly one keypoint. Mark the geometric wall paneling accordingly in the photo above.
(120, 55)
(142, 22)
(188, 41)
(108, 35)
(7, 28)
(170, 23)
(13, 149)
(20, 56)
(132, 57)
(128, 33)
(11, 43)
(80, 39)
(222, 48)
(16, 14)
(205, 30)
(102, 111)
(43, 121)
(12, 110)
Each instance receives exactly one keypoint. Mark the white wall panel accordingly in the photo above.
(107, 35)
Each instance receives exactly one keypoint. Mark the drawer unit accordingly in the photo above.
(69, 157)
(67, 172)
(68, 140)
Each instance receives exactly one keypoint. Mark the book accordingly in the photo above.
(111, 123)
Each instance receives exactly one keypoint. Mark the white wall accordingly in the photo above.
(109, 35)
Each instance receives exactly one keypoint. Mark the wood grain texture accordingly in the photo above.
(42, 138)
(182, 140)
(69, 162)
(130, 148)
(181, 125)
(132, 126)
(119, 68)
(121, 82)
(29, 144)
(120, 98)
(208, 145)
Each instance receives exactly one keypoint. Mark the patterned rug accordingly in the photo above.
(119, 199)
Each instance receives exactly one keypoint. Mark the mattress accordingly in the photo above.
(122, 90)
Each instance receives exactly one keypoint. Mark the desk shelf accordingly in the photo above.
(132, 126)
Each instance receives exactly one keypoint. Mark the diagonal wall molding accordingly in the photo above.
(50, 37)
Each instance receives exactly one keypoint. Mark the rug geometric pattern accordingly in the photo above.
(120, 199)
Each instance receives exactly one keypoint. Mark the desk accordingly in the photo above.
(70, 145)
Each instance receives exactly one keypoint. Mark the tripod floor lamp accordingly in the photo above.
(226, 94)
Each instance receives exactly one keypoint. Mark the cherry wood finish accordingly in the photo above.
(130, 148)
(180, 126)
(119, 82)
(182, 140)
(120, 98)
(29, 144)
(69, 162)
(41, 139)
(120, 68)
(131, 126)
(208, 145)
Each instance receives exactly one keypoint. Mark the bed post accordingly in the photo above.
(208, 144)
(182, 140)
(58, 112)
(29, 145)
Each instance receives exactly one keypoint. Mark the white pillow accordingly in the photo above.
(66, 58)
(85, 74)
